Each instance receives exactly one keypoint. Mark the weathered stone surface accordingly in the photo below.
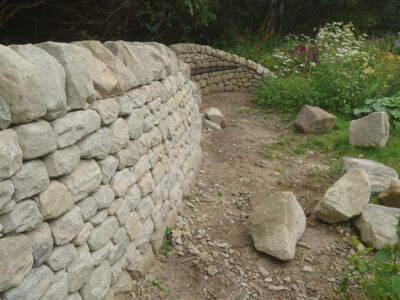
(16, 260)
(135, 123)
(118, 250)
(133, 226)
(122, 181)
(347, 198)
(108, 109)
(103, 233)
(33, 286)
(10, 153)
(20, 87)
(119, 235)
(55, 200)
(9, 206)
(277, 223)
(120, 208)
(5, 115)
(58, 289)
(66, 227)
(379, 174)
(123, 285)
(62, 161)
(377, 225)
(78, 84)
(99, 283)
(85, 179)
(52, 76)
(142, 265)
(104, 196)
(207, 124)
(313, 119)
(74, 126)
(120, 132)
(6, 191)
(214, 115)
(97, 144)
(391, 197)
(88, 208)
(31, 179)
(145, 208)
(42, 243)
(125, 78)
(99, 218)
(74, 296)
(141, 167)
(25, 216)
(83, 235)
(36, 139)
(101, 254)
(108, 167)
(125, 104)
(370, 131)
(61, 256)
(80, 269)
(146, 184)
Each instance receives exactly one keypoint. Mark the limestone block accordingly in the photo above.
(97, 144)
(33, 286)
(42, 243)
(58, 289)
(78, 84)
(20, 87)
(6, 191)
(122, 181)
(52, 76)
(370, 131)
(119, 236)
(141, 167)
(103, 233)
(25, 216)
(125, 104)
(391, 197)
(104, 196)
(75, 126)
(313, 119)
(10, 153)
(66, 227)
(101, 254)
(98, 284)
(120, 208)
(133, 226)
(99, 218)
(55, 200)
(118, 250)
(108, 109)
(61, 256)
(108, 167)
(16, 260)
(31, 179)
(88, 207)
(9, 206)
(80, 269)
(144, 208)
(123, 285)
(62, 162)
(5, 114)
(146, 184)
(120, 132)
(83, 235)
(74, 296)
(135, 123)
(133, 197)
(85, 179)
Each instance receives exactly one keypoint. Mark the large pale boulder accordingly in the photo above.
(16, 260)
(104, 196)
(125, 78)
(379, 174)
(108, 109)
(347, 198)
(122, 181)
(6, 191)
(80, 269)
(214, 115)
(58, 289)
(165, 54)
(33, 286)
(85, 179)
(30, 180)
(75, 126)
(21, 87)
(55, 200)
(99, 283)
(25, 216)
(36, 139)
(391, 197)
(5, 115)
(63, 161)
(66, 227)
(277, 223)
(103, 233)
(97, 144)
(52, 75)
(61, 256)
(370, 131)
(78, 84)
(135, 123)
(120, 131)
(10, 153)
(377, 225)
(313, 119)
(108, 167)
(42, 243)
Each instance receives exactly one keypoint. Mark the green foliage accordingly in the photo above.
(157, 282)
(166, 246)
(378, 276)
(391, 105)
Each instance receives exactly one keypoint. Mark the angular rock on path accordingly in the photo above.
(277, 223)
(377, 225)
(370, 131)
(214, 115)
(313, 119)
(347, 198)
(391, 197)
(379, 174)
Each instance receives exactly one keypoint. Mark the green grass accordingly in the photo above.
(166, 246)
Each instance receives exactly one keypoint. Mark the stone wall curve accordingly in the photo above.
(98, 145)
(214, 70)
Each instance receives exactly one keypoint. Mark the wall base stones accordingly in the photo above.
(97, 151)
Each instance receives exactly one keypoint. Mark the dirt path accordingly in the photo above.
(214, 235)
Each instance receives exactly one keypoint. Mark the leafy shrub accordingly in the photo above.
(379, 276)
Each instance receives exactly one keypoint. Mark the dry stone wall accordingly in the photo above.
(215, 70)
(98, 144)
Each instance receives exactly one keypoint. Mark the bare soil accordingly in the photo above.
(213, 235)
